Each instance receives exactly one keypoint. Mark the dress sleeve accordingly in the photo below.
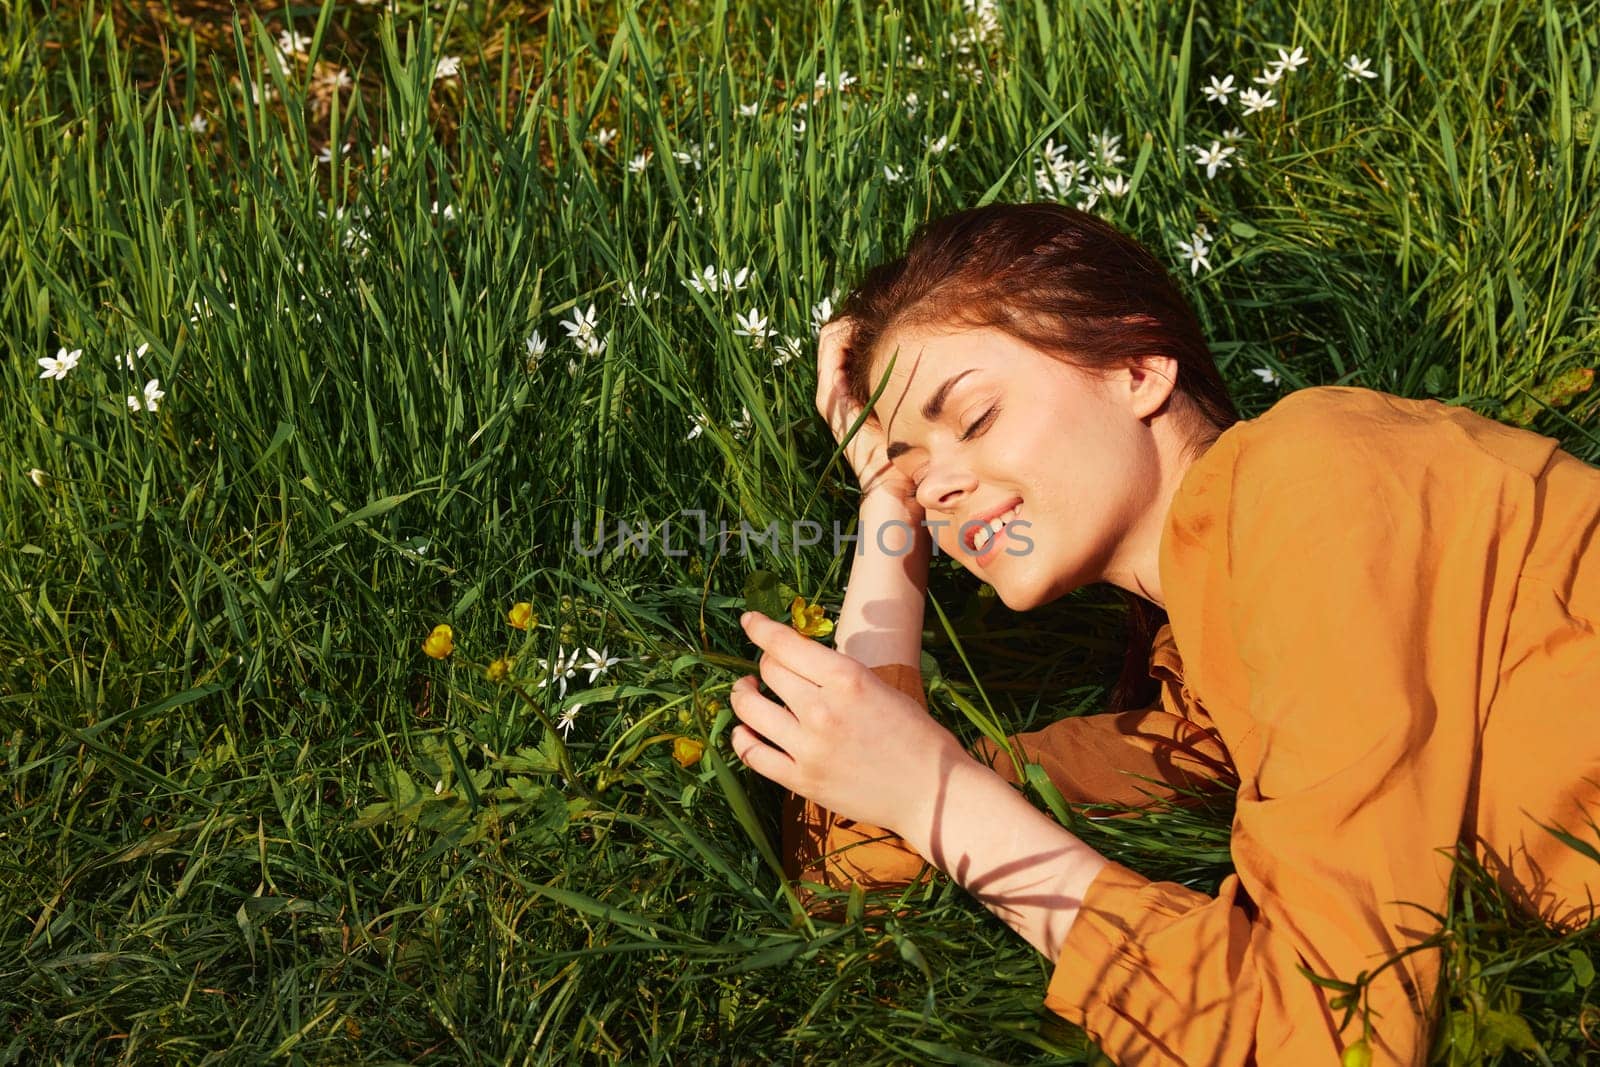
(1354, 704)
(1129, 760)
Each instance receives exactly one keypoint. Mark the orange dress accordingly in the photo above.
(1389, 612)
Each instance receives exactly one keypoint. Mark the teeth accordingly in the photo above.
(992, 529)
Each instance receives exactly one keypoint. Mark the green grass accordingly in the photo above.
(247, 819)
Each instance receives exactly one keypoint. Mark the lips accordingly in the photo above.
(971, 527)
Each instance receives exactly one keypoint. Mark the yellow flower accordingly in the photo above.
(497, 671)
(440, 643)
(521, 615)
(808, 619)
(687, 751)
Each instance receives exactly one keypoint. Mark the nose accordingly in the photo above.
(945, 486)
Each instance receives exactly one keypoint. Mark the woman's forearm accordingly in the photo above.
(1021, 864)
(881, 619)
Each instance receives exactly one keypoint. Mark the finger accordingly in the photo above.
(766, 717)
(820, 664)
(762, 758)
(833, 343)
(793, 688)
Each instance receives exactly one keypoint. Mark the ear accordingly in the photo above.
(1148, 381)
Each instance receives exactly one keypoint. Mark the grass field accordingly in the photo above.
(359, 319)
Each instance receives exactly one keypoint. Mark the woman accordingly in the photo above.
(1387, 611)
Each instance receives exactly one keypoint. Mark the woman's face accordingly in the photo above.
(988, 426)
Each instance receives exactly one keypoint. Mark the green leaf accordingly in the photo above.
(1582, 968)
(766, 593)
(1503, 1029)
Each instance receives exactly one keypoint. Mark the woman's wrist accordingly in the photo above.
(881, 619)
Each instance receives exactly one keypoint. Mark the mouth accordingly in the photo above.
(980, 536)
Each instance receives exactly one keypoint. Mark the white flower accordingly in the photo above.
(582, 326)
(447, 67)
(1233, 133)
(1355, 67)
(939, 146)
(692, 156)
(448, 212)
(533, 347)
(638, 163)
(37, 476)
(741, 425)
(568, 717)
(582, 330)
(753, 325)
(987, 14)
(1219, 90)
(1116, 186)
(604, 137)
(1254, 101)
(1266, 374)
(700, 423)
(913, 102)
(1213, 157)
(339, 79)
(560, 670)
(1059, 173)
(1288, 61)
(598, 663)
(846, 79)
(737, 281)
(294, 44)
(1195, 251)
(704, 282)
(198, 123)
(821, 312)
(1105, 148)
(634, 295)
(894, 175)
(799, 126)
(258, 92)
(57, 366)
(127, 358)
(749, 111)
(789, 348)
(152, 395)
(1269, 75)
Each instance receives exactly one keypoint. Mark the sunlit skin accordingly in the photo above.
(1094, 458)
(1094, 461)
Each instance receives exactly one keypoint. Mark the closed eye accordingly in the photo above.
(983, 420)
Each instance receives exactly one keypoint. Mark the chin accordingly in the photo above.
(1019, 596)
(1025, 591)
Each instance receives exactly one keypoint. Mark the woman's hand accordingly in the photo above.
(841, 737)
(866, 451)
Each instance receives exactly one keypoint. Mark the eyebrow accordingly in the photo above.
(931, 410)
